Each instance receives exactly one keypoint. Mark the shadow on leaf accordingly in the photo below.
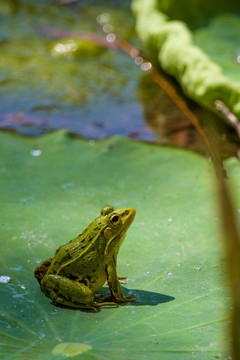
(150, 298)
(142, 297)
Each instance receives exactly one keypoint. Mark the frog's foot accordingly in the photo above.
(122, 299)
(105, 303)
(125, 299)
(62, 301)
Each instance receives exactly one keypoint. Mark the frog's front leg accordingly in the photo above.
(70, 293)
(114, 285)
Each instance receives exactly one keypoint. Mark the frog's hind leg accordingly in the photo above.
(70, 293)
(41, 269)
(65, 291)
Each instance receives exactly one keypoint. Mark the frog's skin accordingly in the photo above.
(82, 266)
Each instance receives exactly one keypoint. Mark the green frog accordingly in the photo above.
(82, 266)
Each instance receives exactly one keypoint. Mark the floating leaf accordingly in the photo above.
(171, 255)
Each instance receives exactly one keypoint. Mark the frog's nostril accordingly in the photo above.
(126, 211)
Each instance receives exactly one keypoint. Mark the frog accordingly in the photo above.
(82, 266)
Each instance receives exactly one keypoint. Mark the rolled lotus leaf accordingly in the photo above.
(201, 78)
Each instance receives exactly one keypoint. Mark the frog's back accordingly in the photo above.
(80, 252)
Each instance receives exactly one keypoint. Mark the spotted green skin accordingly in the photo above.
(82, 266)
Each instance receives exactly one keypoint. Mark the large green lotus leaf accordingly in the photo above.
(205, 61)
(51, 189)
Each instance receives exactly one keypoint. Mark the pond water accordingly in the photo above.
(58, 71)
(50, 82)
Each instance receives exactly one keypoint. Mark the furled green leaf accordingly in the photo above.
(50, 190)
(205, 61)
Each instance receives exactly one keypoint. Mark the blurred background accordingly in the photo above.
(59, 69)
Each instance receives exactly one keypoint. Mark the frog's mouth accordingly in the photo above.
(128, 217)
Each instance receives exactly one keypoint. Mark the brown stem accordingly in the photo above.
(230, 117)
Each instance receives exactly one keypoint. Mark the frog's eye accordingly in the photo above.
(115, 219)
(107, 210)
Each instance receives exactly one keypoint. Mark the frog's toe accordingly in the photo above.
(94, 307)
(107, 303)
(128, 298)
(120, 279)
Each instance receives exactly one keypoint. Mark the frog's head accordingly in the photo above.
(116, 224)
